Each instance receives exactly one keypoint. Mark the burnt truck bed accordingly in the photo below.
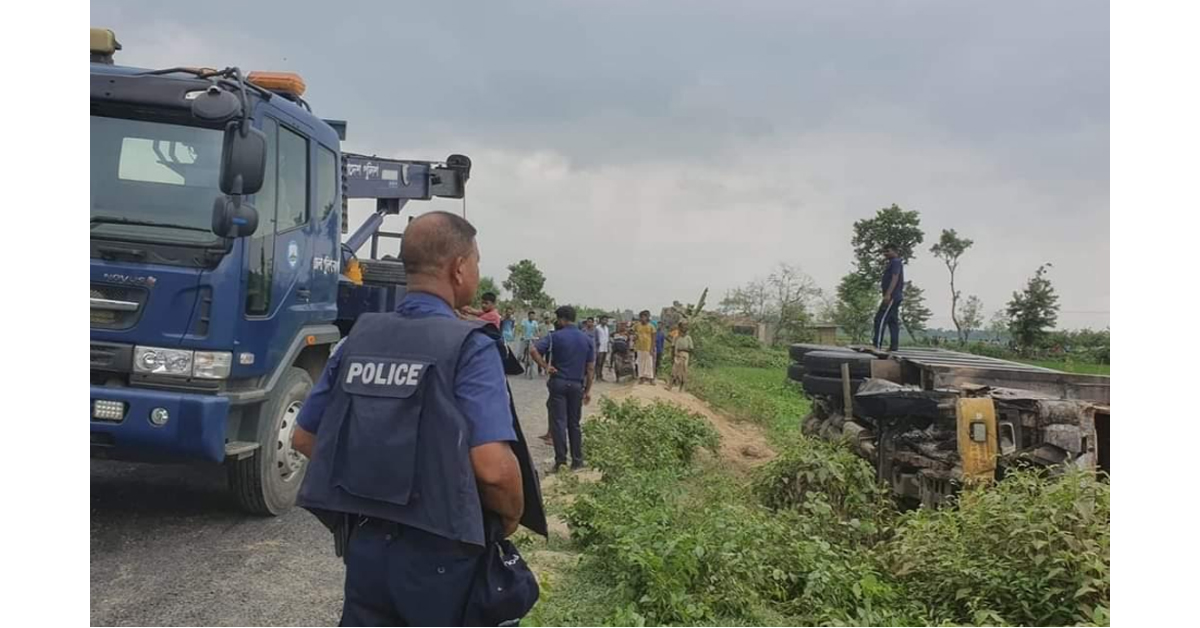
(937, 368)
(904, 418)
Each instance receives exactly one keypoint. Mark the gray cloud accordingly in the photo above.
(641, 151)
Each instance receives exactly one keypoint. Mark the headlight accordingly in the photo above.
(212, 364)
(157, 361)
(182, 362)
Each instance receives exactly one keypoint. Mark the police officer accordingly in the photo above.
(411, 439)
(571, 368)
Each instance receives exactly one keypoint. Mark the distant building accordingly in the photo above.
(826, 333)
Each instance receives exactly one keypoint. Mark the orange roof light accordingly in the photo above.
(286, 82)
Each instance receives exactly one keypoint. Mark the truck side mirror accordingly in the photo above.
(233, 217)
(243, 159)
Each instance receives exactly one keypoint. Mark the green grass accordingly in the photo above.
(576, 597)
(669, 538)
(1071, 367)
(763, 396)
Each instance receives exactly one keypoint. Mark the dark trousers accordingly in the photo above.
(888, 317)
(600, 356)
(566, 408)
(402, 576)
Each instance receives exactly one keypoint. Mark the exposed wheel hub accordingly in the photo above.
(288, 461)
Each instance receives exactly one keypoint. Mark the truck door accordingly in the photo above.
(293, 224)
(326, 260)
(279, 254)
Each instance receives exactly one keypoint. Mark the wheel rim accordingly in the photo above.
(288, 461)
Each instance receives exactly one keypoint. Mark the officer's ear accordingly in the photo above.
(460, 269)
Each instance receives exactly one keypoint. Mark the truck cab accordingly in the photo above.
(217, 261)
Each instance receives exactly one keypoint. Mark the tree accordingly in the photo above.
(857, 300)
(998, 325)
(486, 284)
(971, 317)
(949, 248)
(748, 300)
(913, 313)
(1033, 310)
(792, 293)
(889, 226)
(525, 282)
(782, 300)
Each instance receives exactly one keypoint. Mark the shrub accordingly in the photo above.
(717, 346)
(628, 436)
(810, 468)
(813, 540)
(690, 545)
(1028, 550)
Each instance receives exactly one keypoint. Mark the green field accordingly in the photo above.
(1071, 367)
(763, 396)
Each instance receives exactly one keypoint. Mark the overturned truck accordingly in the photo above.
(930, 420)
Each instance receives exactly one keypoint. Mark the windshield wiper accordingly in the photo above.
(118, 220)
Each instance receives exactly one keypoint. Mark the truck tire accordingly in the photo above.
(266, 482)
(798, 350)
(379, 271)
(796, 372)
(829, 363)
(828, 386)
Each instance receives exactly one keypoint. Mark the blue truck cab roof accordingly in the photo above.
(314, 126)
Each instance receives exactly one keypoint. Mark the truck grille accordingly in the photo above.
(112, 357)
(111, 360)
(116, 307)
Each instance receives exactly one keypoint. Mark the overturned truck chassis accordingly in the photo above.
(911, 434)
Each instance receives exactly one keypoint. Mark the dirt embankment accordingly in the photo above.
(743, 447)
(743, 444)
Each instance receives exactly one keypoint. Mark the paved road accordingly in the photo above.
(168, 547)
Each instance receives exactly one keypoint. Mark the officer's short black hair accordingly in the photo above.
(890, 246)
(433, 240)
(565, 313)
(489, 297)
(533, 312)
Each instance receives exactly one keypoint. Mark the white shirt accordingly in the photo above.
(601, 338)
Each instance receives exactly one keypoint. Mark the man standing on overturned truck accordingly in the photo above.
(892, 286)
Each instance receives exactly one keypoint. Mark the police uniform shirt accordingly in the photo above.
(571, 350)
(480, 387)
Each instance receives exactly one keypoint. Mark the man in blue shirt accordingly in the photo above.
(572, 363)
(415, 565)
(508, 329)
(660, 341)
(892, 287)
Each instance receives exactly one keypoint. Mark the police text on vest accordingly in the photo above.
(384, 373)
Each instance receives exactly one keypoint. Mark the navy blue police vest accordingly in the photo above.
(392, 443)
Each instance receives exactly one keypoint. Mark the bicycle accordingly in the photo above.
(527, 357)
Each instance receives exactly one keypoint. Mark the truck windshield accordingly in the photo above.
(154, 181)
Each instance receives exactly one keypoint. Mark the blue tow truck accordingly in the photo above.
(219, 277)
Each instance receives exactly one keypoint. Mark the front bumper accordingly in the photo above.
(195, 429)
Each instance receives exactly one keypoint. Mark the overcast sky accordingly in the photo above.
(641, 151)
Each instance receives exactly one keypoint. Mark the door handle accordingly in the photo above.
(303, 294)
